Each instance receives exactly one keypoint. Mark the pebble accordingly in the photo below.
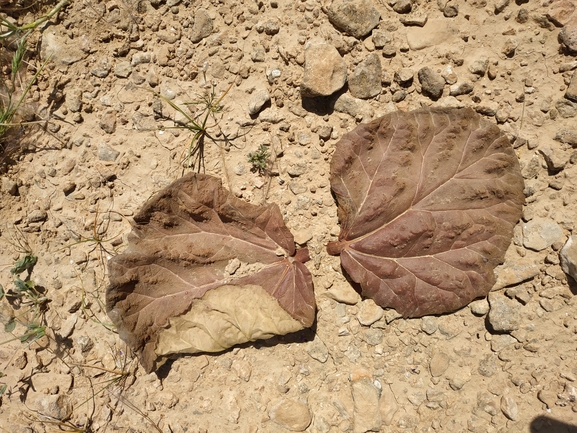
(325, 71)
(58, 407)
(566, 108)
(9, 186)
(257, 100)
(365, 80)
(501, 5)
(504, 315)
(429, 325)
(369, 312)
(500, 342)
(509, 408)
(107, 153)
(568, 34)
(435, 32)
(388, 405)
(291, 414)
(571, 92)
(479, 307)
(341, 291)
(555, 157)
(567, 136)
(108, 122)
(404, 77)
(439, 364)
(356, 18)
(451, 10)
(402, 6)
(511, 273)
(74, 100)
(140, 58)
(541, 233)
(460, 89)
(202, 26)
(68, 326)
(381, 38)
(102, 68)
(317, 350)
(415, 19)
(488, 366)
(479, 67)
(356, 108)
(57, 49)
(37, 215)
(366, 413)
(432, 83)
(123, 69)
(568, 257)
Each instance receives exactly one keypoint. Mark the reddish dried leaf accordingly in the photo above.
(427, 204)
(181, 243)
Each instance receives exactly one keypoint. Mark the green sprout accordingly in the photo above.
(259, 159)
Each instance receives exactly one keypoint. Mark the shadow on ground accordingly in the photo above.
(546, 424)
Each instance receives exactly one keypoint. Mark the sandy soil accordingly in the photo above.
(105, 145)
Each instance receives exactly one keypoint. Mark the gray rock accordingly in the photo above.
(369, 312)
(414, 19)
(451, 10)
(560, 11)
(140, 58)
(439, 364)
(432, 83)
(74, 100)
(541, 233)
(568, 257)
(479, 67)
(102, 68)
(488, 366)
(479, 307)
(297, 188)
(555, 157)
(404, 77)
(429, 325)
(460, 89)
(202, 26)
(571, 92)
(9, 186)
(402, 6)
(60, 49)
(512, 273)
(142, 122)
(356, 18)
(291, 414)
(365, 81)
(123, 69)
(325, 71)
(354, 107)
(509, 408)
(568, 34)
(317, 350)
(504, 315)
(54, 406)
(381, 38)
(500, 342)
(107, 153)
(108, 122)
(501, 5)
(257, 100)
(566, 108)
(567, 136)
(37, 216)
(366, 415)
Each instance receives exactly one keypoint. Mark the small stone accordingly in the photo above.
(297, 169)
(479, 307)
(365, 81)
(460, 89)
(60, 49)
(567, 136)
(108, 122)
(68, 326)
(566, 108)
(415, 19)
(356, 108)
(402, 6)
(555, 157)
(257, 100)
(123, 69)
(381, 38)
(325, 71)
(356, 18)
(435, 32)
(451, 10)
(509, 47)
(449, 75)
(242, 369)
(366, 412)
(571, 92)
(74, 100)
(479, 67)
(9, 186)
(488, 366)
(522, 16)
(101, 68)
(85, 343)
(509, 408)
(404, 77)
(140, 58)
(504, 315)
(511, 273)
(568, 257)
(541, 233)
(439, 364)
(68, 187)
(560, 11)
(429, 325)
(432, 83)
(297, 187)
(107, 153)
(501, 5)
(317, 350)
(568, 34)
(369, 312)
(20, 361)
(202, 26)
(37, 215)
(271, 27)
(291, 414)
(500, 342)
(341, 291)
(54, 406)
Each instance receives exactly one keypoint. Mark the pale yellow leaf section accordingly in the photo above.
(224, 317)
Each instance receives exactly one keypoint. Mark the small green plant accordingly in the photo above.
(10, 29)
(259, 159)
